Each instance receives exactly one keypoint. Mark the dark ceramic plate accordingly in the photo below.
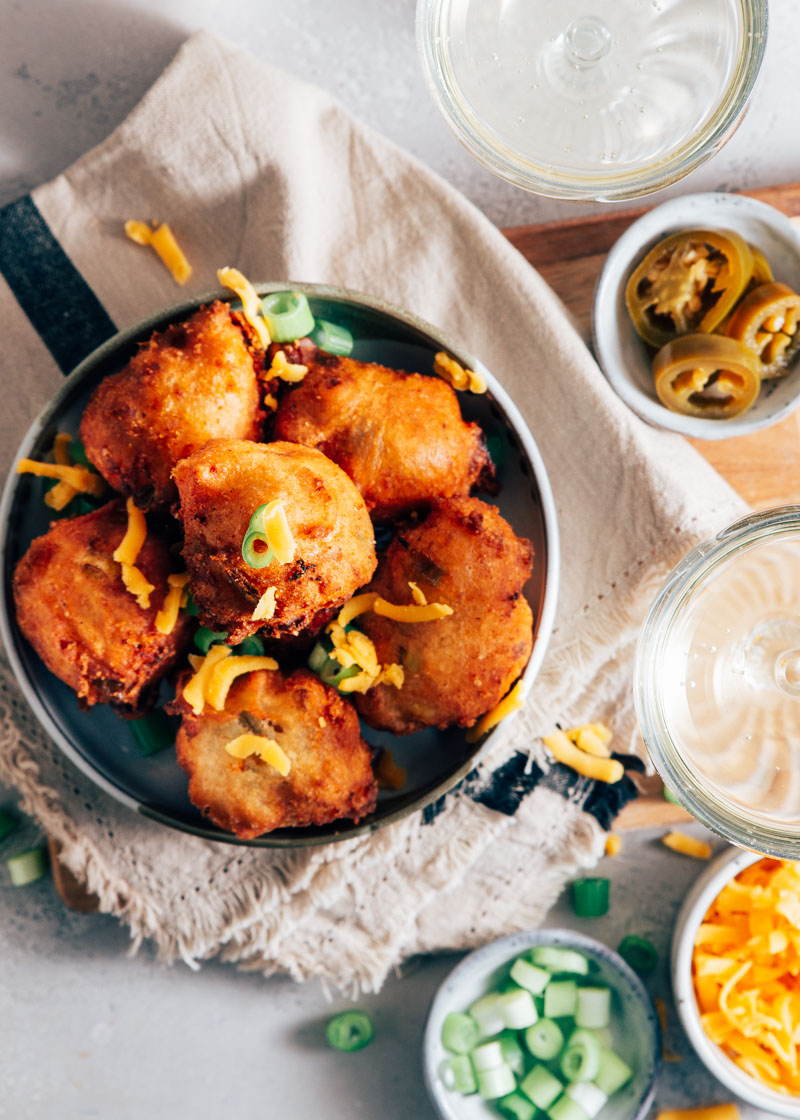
(101, 744)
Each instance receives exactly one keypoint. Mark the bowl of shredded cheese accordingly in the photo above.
(736, 976)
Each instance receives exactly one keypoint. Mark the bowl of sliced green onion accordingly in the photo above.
(546, 1024)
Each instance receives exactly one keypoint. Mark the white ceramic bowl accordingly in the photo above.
(624, 357)
(719, 872)
(639, 1043)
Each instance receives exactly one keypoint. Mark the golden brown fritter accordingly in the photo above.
(399, 436)
(73, 608)
(468, 557)
(220, 488)
(316, 728)
(192, 382)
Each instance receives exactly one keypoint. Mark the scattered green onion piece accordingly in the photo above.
(459, 1032)
(27, 867)
(638, 952)
(565, 1108)
(349, 1031)
(594, 1007)
(204, 638)
(518, 1009)
(555, 959)
(528, 976)
(333, 339)
(544, 1040)
(496, 447)
(560, 998)
(580, 1061)
(496, 1082)
(253, 558)
(513, 1054)
(333, 673)
(541, 1087)
(8, 822)
(287, 315)
(77, 507)
(517, 1107)
(457, 1074)
(590, 897)
(613, 1073)
(251, 646)
(152, 733)
(318, 658)
(670, 796)
(191, 606)
(77, 453)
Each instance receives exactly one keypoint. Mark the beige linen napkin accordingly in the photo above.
(254, 169)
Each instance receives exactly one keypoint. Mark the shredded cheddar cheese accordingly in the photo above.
(281, 367)
(217, 683)
(130, 545)
(194, 690)
(593, 738)
(351, 647)
(511, 702)
(79, 478)
(62, 493)
(566, 752)
(388, 773)
(162, 240)
(459, 377)
(613, 844)
(418, 595)
(268, 750)
(709, 1112)
(411, 612)
(265, 608)
(686, 845)
(251, 305)
(137, 585)
(359, 604)
(270, 402)
(176, 597)
(279, 535)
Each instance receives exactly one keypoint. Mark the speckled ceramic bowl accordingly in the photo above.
(624, 357)
(101, 744)
(639, 1043)
(708, 885)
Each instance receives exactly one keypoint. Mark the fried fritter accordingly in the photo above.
(192, 382)
(468, 557)
(316, 728)
(220, 488)
(73, 608)
(399, 436)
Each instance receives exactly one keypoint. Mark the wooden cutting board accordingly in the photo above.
(764, 467)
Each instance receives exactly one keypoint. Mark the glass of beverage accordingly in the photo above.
(717, 682)
(592, 99)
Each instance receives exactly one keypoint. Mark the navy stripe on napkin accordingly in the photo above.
(63, 309)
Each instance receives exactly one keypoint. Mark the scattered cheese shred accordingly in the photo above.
(388, 773)
(351, 647)
(270, 402)
(162, 240)
(709, 1112)
(217, 684)
(511, 702)
(746, 965)
(601, 769)
(459, 377)
(268, 750)
(62, 493)
(686, 845)
(279, 535)
(613, 844)
(129, 547)
(194, 689)
(177, 596)
(281, 367)
(79, 478)
(359, 604)
(251, 305)
(137, 584)
(411, 612)
(594, 738)
(265, 608)
(418, 595)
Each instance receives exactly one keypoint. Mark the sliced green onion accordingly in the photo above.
(457, 1074)
(496, 1082)
(333, 339)
(544, 1040)
(77, 452)
(250, 647)
(488, 1015)
(560, 960)
(518, 1009)
(594, 1007)
(8, 822)
(588, 1096)
(459, 1032)
(487, 1056)
(517, 1107)
(670, 796)
(613, 1072)
(638, 952)
(567, 1109)
(349, 1030)
(590, 897)
(27, 867)
(318, 658)
(580, 1061)
(541, 1087)
(333, 673)
(513, 1054)
(152, 733)
(560, 998)
(253, 558)
(528, 976)
(204, 638)
(287, 315)
(191, 606)
(77, 507)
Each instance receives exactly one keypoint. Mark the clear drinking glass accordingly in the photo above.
(717, 682)
(592, 99)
